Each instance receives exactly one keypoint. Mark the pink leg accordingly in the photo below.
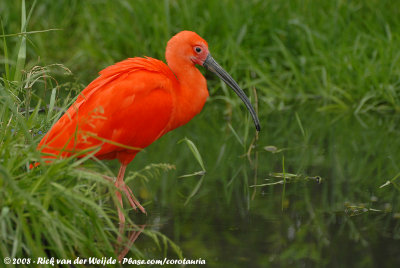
(132, 238)
(132, 199)
(120, 184)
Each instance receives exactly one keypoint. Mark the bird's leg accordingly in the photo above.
(120, 184)
(132, 199)
(119, 238)
(132, 238)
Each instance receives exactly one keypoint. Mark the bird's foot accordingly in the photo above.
(131, 198)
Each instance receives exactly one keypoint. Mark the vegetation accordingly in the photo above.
(318, 186)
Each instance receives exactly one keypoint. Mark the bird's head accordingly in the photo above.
(188, 48)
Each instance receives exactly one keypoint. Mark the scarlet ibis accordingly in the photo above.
(135, 102)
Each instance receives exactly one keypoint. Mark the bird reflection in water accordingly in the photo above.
(133, 232)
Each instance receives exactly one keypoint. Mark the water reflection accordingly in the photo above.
(323, 198)
(132, 233)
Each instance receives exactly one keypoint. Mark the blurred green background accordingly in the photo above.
(318, 186)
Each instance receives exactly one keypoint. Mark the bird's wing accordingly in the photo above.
(121, 70)
(128, 106)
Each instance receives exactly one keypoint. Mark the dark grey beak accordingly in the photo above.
(211, 65)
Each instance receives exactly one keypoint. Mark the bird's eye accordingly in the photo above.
(197, 49)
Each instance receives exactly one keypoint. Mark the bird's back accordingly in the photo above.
(125, 109)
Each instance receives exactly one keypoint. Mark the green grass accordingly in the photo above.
(326, 76)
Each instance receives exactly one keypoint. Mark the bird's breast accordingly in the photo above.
(189, 101)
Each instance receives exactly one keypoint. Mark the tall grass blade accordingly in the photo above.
(22, 46)
(5, 50)
(51, 105)
(195, 190)
(194, 151)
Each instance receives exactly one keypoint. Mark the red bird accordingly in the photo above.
(135, 102)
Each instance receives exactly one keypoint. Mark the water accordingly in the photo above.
(345, 219)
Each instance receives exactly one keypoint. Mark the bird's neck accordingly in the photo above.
(191, 94)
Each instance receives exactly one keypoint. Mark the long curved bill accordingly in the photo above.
(211, 65)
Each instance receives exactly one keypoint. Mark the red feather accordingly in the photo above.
(125, 105)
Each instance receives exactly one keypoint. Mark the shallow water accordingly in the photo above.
(345, 219)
